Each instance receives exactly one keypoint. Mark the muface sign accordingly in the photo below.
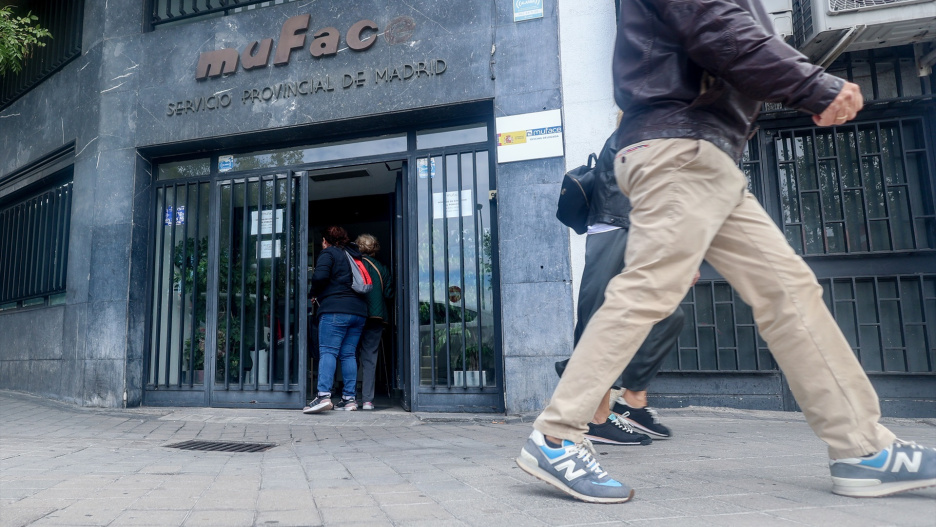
(359, 37)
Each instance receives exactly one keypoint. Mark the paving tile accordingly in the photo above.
(284, 518)
(220, 518)
(417, 512)
(15, 514)
(365, 514)
(402, 498)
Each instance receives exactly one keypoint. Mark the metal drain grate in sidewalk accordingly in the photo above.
(222, 446)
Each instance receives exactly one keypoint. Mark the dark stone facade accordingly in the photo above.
(113, 104)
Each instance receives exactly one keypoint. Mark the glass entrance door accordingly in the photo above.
(258, 307)
(458, 366)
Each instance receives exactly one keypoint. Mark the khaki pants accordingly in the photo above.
(691, 203)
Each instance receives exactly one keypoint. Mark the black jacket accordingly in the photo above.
(699, 69)
(607, 203)
(331, 283)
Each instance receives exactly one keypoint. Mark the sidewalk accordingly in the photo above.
(68, 466)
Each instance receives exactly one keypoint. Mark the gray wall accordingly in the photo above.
(114, 99)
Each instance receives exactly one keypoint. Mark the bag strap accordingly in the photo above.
(351, 263)
(379, 277)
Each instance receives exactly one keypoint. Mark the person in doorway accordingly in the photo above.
(377, 318)
(604, 259)
(342, 314)
(690, 77)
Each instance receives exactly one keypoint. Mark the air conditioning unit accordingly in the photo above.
(824, 29)
(781, 14)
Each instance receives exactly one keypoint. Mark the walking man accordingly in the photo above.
(689, 77)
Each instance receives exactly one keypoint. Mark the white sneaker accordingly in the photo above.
(368, 406)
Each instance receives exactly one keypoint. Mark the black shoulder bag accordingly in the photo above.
(577, 185)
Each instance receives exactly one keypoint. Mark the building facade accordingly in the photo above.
(167, 167)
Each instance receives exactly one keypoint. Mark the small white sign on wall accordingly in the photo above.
(529, 136)
(527, 9)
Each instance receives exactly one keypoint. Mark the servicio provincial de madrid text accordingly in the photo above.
(323, 84)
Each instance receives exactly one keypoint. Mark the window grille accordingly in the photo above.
(63, 18)
(802, 21)
(168, 11)
(885, 75)
(719, 333)
(34, 246)
(858, 188)
(889, 322)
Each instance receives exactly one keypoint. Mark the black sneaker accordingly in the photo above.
(644, 419)
(348, 405)
(322, 403)
(615, 431)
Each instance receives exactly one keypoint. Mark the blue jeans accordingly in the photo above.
(338, 339)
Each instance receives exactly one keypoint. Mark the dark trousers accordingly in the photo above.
(367, 350)
(604, 259)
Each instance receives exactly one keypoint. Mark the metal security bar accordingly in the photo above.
(890, 323)
(888, 77)
(63, 18)
(456, 302)
(719, 333)
(179, 330)
(166, 11)
(34, 245)
(862, 188)
(802, 21)
(257, 277)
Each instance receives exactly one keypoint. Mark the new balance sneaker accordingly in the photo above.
(644, 419)
(322, 403)
(900, 467)
(573, 469)
(615, 431)
(348, 405)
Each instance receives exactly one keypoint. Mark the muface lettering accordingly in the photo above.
(361, 36)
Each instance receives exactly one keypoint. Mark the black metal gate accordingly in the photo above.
(458, 365)
(259, 307)
(227, 257)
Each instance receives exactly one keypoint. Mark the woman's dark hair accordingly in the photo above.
(336, 236)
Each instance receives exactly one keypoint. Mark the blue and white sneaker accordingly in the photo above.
(900, 467)
(572, 469)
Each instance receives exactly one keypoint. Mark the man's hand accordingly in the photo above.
(843, 108)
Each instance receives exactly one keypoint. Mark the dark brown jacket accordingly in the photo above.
(699, 69)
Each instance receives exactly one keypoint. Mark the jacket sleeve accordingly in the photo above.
(730, 43)
(322, 274)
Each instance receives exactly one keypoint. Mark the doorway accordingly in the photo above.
(362, 199)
